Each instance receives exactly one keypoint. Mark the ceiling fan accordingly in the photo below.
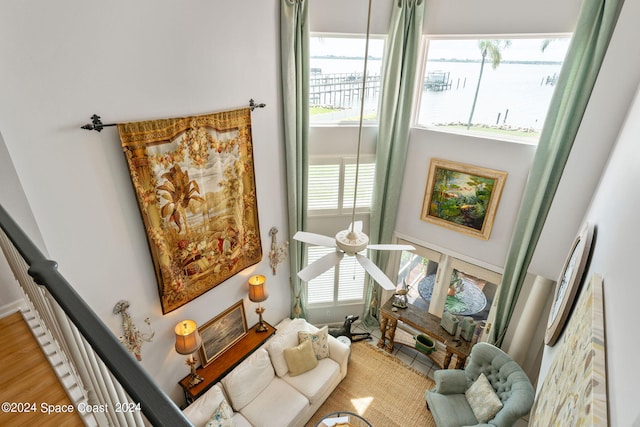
(351, 241)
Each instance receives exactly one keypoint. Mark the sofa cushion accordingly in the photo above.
(483, 400)
(240, 421)
(200, 411)
(248, 379)
(286, 337)
(319, 340)
(278, 405)
(300, 358)
(315, 384)
(222, 416)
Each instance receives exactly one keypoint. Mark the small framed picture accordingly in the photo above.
(569, 283)
(462, 197)
(221, 332)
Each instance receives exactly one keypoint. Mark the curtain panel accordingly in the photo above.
(594, 28)
(294, 51)
(399, 76)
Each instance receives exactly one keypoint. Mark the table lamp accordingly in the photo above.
(188, 341)
(258, 293)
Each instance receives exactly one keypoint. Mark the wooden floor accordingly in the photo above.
(28, 384)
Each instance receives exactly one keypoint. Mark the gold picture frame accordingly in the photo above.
(462, 197)
(195, 185)
(222, 332)
(569, 283)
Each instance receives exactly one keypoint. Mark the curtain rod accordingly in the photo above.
(97, 125)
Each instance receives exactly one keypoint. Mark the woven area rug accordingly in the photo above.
(382, 389)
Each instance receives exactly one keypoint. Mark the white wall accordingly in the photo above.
(15, 203)
(63, 62)
(614, 255)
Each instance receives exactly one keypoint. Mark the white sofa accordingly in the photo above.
(260, 391)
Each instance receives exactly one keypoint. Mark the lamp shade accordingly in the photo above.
(257, 288)
(187, 337)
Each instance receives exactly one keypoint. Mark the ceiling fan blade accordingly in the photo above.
(391, 247)
(315, 239)
(319, 266)
(375, 272)
(357, 226)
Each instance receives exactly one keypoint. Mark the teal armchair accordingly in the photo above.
(448, 402)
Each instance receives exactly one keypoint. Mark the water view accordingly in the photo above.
(514, 96)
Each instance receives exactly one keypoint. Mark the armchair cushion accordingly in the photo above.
(450, 381)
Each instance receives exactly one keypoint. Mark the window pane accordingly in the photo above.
(335, 83)
(366, 175)
(350, 280)
(320, 289)
(419, 275)
(324, 185)
(514, 85)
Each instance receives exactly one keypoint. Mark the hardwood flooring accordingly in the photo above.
(28, 384)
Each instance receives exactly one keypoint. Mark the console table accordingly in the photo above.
(426, 323)
(221, 366)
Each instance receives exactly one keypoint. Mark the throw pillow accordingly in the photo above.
(483, 400)
(300, 359)
(199, 412)
(222, 417)
(285, 337)
(319, 340)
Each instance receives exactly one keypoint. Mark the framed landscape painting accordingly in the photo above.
(221, 332)
(462, 197)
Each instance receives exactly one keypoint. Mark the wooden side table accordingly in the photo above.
(426, 323)
(218, 368)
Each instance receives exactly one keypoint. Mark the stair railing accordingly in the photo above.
(103, 373)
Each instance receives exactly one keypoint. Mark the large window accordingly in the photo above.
(330, 203)
(335, 83)
(498, 87)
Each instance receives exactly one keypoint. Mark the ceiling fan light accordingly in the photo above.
(352, 242)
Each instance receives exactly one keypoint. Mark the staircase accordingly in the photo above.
(31, 380)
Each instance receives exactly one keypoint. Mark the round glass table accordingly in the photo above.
(470, 300)
(343, 419)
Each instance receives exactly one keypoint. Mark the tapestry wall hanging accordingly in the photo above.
(195, 184)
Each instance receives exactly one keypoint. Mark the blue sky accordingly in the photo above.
(520, 49)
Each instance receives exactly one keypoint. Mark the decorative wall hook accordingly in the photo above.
(278, 253)
(132, 338)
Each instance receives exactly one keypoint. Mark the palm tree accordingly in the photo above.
(493, 48)
(180, 191)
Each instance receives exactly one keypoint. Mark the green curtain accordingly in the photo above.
(399, 75)
(294, 48)
(595, 25)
